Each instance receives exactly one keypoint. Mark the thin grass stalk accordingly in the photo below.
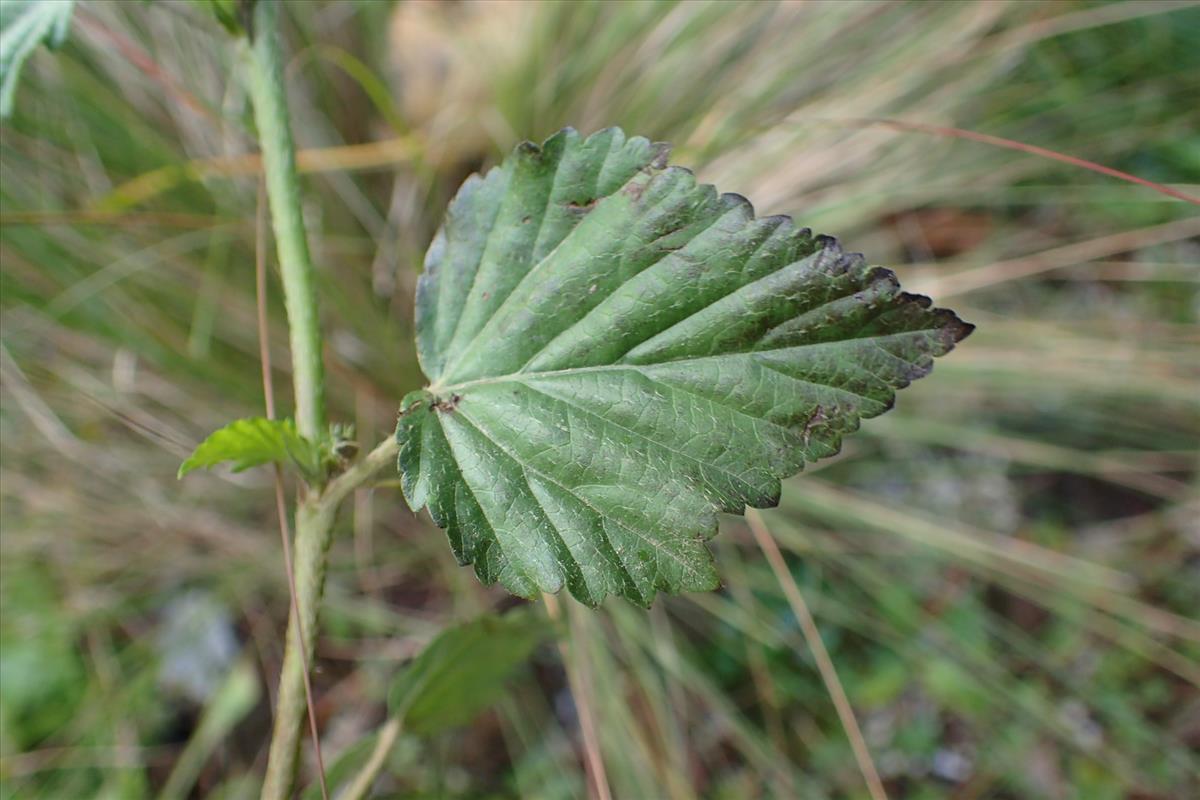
(812, 635)
(361, 785)
(580, 686)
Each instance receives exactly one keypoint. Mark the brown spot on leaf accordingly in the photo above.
(817, 418)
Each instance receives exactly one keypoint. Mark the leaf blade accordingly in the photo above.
(461, 672)
(670, 356)
(24, 24)
(536, 198)
(252, 442)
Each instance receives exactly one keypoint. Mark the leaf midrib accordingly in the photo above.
(438, 389)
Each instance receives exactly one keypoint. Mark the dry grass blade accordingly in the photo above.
(383, 745)
(1032, 149)
(144, 62)
(347, 158)
(581, 691)
(84, 217)
(824, 663)
(976, 278)
(990, 550)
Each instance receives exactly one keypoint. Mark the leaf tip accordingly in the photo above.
(958, 328)
(947, 321)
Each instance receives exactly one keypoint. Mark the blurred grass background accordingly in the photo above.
(1006, 569)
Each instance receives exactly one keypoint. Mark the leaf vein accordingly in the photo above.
(688, 568)
(604, 420)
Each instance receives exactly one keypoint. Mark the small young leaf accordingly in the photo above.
(463, 670)
(617, 353)
(24, 24)
(254, 441)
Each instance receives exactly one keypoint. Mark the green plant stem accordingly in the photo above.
(384, 455)
(269, 98)
(314, 517)
(314, 529)
(314, 532)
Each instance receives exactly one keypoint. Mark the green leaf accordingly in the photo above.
(617, 353)
(463, 670)
(254, 441)
(24, 24)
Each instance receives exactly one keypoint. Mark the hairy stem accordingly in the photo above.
(314, 532)
(314, 519)
(314, 528)
(269, 98)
